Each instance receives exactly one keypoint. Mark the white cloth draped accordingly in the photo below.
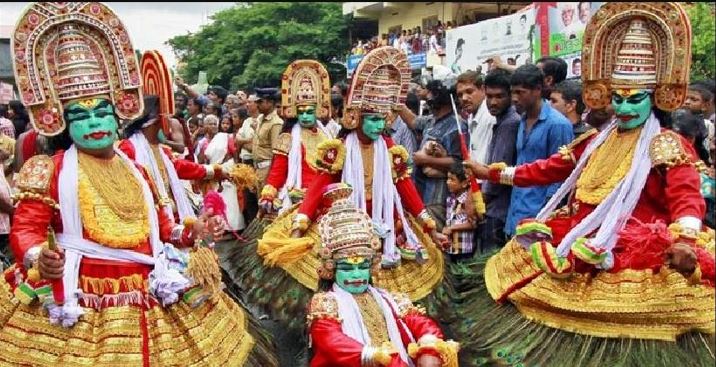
(143, 155)
(610, 216)
(295, 159)
(216, 152)
(385, 197)
(352, 321)
(76, 247)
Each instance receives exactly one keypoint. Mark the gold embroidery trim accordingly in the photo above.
(35, 175)
(666, 149)
(373, 319)
(102, 286)
(283, 145)
(35, 196)
(323, 306)
(630, 303)
(608, 165)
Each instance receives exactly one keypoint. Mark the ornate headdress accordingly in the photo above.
(73, 50)
(637, 46)
(380, 82)
(157, 81)
(345, 231)
(305, 82)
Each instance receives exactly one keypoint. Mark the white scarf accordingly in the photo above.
(385, 197)
(352, 321)
(143, 155)
(481, 126)
(75, 246)
(610, 216)
(295, 158)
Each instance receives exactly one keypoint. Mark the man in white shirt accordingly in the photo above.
(471, 93)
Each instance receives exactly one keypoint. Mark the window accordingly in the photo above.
(430, 22)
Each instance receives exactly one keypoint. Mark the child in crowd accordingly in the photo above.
(459, 229)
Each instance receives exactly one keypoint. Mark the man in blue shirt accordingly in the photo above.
(541, 132)
(439, 149)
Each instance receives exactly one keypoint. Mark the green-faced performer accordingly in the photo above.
(354, 323)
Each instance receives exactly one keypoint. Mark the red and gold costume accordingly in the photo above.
(156, 81)
(304, 83)
(390, 330)
(127, 295)
(601, 272)
(384, 73)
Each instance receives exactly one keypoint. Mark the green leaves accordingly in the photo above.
(703, 49)
(251, 44)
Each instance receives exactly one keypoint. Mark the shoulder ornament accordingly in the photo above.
(323, 306)
(666, 150)
(331, 154)
(284, 144)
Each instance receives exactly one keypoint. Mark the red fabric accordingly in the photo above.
(187, 138)
(278, 174)
(548, 171)
(706, 263)
(669, 194)
(29, 145)
(311, 202)
(333, 348)
(32, 218)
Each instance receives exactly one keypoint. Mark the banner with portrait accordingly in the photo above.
(469, 47)
(560, 29)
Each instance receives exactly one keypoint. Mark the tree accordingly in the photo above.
(703, 48)
(251, 45)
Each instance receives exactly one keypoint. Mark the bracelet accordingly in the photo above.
(189, 222)
(300, 222)
(268, 192)
(427, 219)
(176, 234)
(31, 256)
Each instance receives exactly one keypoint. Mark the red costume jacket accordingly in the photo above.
(334, 348)
(278, 174)
(401, 177)
(670, 193)
(97, 277)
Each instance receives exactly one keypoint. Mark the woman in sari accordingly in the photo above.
(218, 148)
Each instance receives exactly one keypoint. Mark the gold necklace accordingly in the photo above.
(165, 175)
(372, 318)
(609, 163)
(116, 185)
(366, 152)
(310, 141)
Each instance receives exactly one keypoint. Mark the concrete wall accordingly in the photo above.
(411, 15)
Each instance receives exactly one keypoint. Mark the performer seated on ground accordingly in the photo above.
(353, 323)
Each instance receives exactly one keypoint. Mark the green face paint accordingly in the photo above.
(353, 277)
(373, 125)
(307, 116)
(632, 108)
(92, 123)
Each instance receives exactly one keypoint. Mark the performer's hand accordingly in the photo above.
(441, 240)
(427, 360)
(682, 258)
(51, 263)
(179, 82)
(480, 171)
